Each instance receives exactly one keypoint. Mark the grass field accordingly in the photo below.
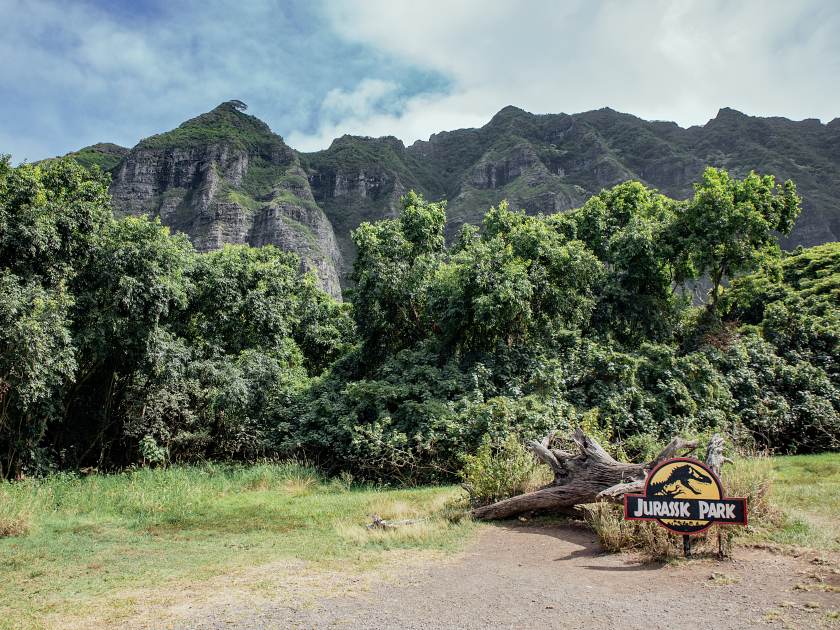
(72, 548)
(806, 488)
(81, 543)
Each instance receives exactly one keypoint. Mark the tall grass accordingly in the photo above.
(615, 534)
(69, 544)
(806, 489)
(176, 497)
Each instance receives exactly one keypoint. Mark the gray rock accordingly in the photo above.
(202, 191)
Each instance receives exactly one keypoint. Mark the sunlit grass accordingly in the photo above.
(72, 543)
(807, 489)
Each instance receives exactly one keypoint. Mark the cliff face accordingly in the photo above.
(554, 162)
(224, 177)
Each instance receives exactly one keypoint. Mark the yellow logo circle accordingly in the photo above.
(683, 479)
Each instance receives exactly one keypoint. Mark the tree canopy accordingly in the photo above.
(120, 345)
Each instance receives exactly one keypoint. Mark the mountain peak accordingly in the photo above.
(227, 124)
(725, 113)
(234, 104)
(508, 113)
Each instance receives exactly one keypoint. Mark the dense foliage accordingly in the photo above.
(541, 322)
(119, 344)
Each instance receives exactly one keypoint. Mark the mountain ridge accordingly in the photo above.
(224, 176)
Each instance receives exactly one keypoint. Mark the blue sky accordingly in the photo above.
(75, 73)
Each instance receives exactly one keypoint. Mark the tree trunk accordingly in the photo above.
(584, 477)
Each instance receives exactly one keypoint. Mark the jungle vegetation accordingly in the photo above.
(120, 345)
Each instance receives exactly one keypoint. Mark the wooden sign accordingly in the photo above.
(686, 497)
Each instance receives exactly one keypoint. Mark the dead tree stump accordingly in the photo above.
(587, 476)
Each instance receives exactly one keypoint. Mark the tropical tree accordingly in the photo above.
(394, 265)
(730, 226)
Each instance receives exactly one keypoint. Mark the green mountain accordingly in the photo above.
(554, 162)
(105, 155)
(225, 177)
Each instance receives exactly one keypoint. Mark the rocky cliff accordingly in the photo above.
(224, 177)
(554, 162)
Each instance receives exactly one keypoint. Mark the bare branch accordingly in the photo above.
(616, 493)
(590, 448)
(672, 449)
(546, 456)
(714, 454)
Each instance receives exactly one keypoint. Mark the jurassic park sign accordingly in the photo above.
(686, 497)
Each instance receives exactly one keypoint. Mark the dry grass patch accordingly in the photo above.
(418, 532)
(16, 512)
(14, 525)
(616, 534)
(301, 486)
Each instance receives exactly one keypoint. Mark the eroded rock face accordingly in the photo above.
(220, 192)
(301, 228)
(224, 177)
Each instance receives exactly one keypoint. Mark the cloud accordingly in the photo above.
(93, 70)
(658, 59)
(82, 72)
(375, 108)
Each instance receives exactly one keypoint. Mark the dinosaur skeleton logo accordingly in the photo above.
(686, 497)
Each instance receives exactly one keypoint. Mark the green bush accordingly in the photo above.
(500, 469)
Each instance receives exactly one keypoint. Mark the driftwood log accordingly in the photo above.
(587, 476)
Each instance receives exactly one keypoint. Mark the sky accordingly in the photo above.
(76, 72)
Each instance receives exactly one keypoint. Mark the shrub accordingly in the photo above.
(500, 469)
(152, 453)
(752, 478)
(642, 447)
(615, 534)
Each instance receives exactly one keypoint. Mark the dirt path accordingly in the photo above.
(522, 577)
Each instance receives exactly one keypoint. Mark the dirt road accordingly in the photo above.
(526, 577)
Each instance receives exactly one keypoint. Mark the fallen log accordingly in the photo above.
(586, 476)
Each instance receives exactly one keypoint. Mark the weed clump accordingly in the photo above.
(615, 534)
(500, 469)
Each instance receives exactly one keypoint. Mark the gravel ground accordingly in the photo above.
(523, 577)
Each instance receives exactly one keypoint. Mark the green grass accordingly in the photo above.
(243, 200)
(791, 500)
(807, 489)
(81, 544)
(82, 549)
